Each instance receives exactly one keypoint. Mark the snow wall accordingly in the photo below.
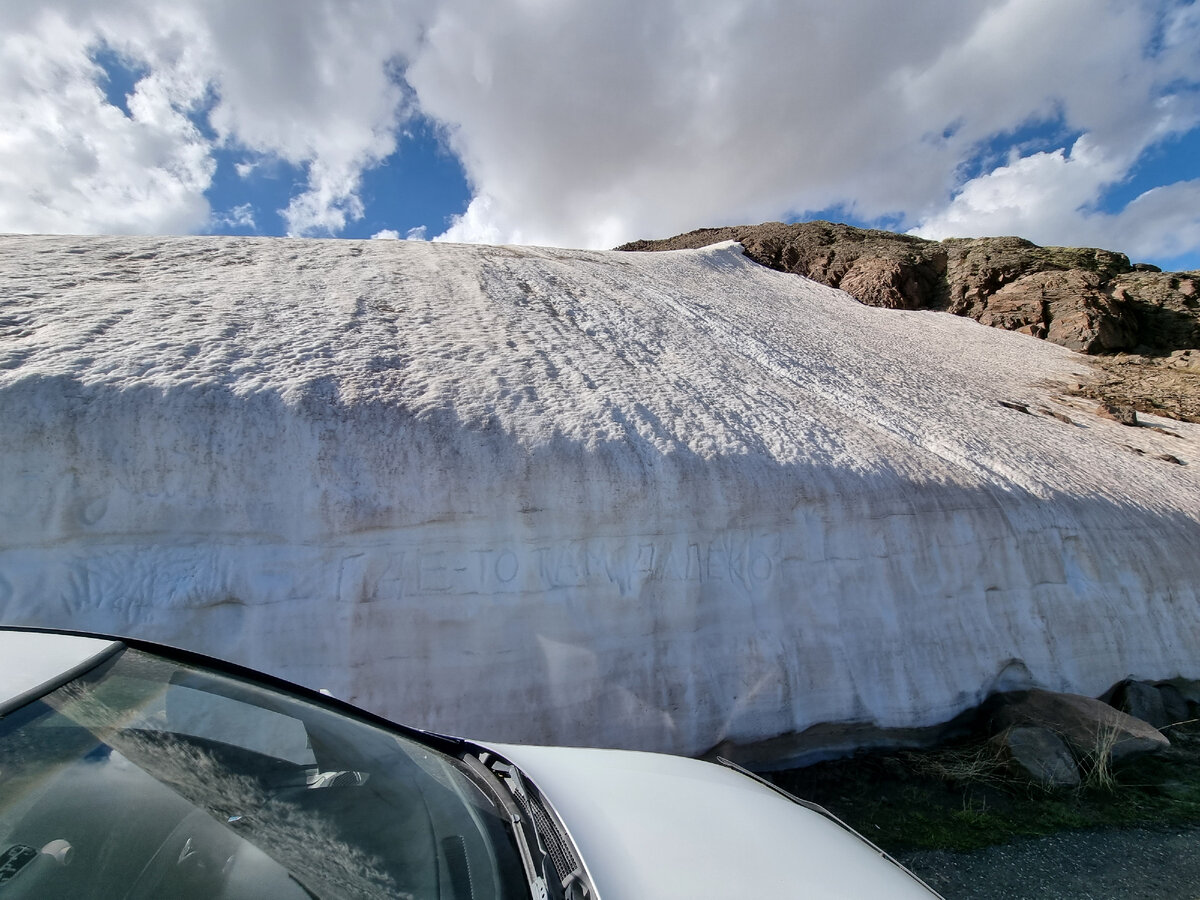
(658, 501)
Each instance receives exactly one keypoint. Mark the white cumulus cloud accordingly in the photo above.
(587, 124)
(241, 216)
(309, 82)
(72, 162)
(1048, 198)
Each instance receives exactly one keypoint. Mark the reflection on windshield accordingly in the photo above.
(151, 779)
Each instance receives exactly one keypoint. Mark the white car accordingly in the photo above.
(132, 770)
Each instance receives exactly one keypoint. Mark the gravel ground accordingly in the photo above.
(1112, 864)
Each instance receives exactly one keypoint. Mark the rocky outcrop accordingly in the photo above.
(877, 268)
(1166, 306)
(1092, 301)
(1069, 308)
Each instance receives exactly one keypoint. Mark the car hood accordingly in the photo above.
(651, 825)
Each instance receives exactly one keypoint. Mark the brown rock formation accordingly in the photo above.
(1166, 306)
(877, 268)
(1092, 301)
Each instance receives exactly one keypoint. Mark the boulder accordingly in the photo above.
(1083, 316)
(1126, 415)
(1089, 727)
(1175, 705)
(1189, 690)
(1142, 701)
(976, 268)
(1039, 753)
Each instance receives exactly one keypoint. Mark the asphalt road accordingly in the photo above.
(1110, 864)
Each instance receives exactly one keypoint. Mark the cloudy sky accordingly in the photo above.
(587, 123)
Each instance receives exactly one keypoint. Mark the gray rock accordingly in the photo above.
(1189, 689)
(1091, 728)
(1041, 754)
(1142, 701)
(1175, 705)
(1185, 359)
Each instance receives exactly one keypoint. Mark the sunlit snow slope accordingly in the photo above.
(654, 500)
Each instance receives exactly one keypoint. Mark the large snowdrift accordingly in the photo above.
(655, 500)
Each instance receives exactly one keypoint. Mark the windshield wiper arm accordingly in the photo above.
(504, 797)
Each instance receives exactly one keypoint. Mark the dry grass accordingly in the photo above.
(975, 763)
(1096, 765)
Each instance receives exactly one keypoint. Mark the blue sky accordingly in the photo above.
(422, 185)
(1073, 123)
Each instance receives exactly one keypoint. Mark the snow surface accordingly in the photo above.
(655, 500)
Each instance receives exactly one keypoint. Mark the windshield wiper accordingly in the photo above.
(504, 797)
(556, 858)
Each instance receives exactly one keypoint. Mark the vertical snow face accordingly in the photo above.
(657, 501)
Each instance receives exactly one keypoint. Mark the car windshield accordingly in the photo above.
(148, 778)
